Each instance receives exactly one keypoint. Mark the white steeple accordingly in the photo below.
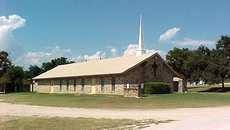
(140, 50)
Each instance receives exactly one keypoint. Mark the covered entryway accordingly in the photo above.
(178, 84)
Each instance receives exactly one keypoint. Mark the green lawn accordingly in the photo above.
(211, 89)
(176, 100)
(41, 123)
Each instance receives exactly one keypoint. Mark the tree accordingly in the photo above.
(55, 62)
(4, 80)
(180, 60)
(32, 71)
(223, 45)
(199, 63)
(35, 70)
(16, 75)
(5, 63)
(220, 61)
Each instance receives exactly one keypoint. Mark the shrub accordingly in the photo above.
(156, 88)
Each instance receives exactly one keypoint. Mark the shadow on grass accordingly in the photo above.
(217, 90)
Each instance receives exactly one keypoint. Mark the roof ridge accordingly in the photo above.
(106, 59)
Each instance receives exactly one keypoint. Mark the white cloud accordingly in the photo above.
(8, 25)
(98, 55)
(113, 51)
(132, 50)
(169, 34)
(7, 41)
(11, 23)
(192, 42)
(38, 57)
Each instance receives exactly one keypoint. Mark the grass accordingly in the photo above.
(41, 123)
(175, 100)
(210, 89)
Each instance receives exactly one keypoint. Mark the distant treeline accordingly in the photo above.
(14, 78)
(208, 65)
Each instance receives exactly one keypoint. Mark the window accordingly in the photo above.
(74, 84)
(51, 82)
(113, 84)
(93, 81)
(126, 84)
(102, 84)
(67, 85)
(60, 85)
(154, 67)
(82, 84)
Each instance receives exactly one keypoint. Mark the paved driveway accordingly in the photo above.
(216, 118)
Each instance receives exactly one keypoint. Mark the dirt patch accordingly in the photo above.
(202, 118)
(7, 118)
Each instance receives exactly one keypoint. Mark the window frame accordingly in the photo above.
(113, 83)
(67, 85)
(102, 85)
(82, 84)
(60, 87)
(74, 85)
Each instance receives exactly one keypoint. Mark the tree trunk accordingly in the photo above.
(185, 85)
(4, 88)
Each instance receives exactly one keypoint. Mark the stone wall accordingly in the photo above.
(157, 70)
(153, 69)
(92, 85)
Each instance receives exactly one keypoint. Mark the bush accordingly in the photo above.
(156, 88)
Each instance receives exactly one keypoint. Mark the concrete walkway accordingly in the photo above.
(215, 118)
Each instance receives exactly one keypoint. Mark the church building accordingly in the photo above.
(123, 75)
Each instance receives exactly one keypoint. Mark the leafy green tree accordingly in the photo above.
(55, 62)
(32, 71)
(4, 80)
(16, 75)
(5, 62)
(223, 45)
(180, 60)
(219, 66)
(211, 66)
(199, 62)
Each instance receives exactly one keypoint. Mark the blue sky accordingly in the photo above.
(76, 28)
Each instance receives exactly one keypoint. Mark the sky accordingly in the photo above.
(37, 31)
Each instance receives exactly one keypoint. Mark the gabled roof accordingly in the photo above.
(95, 67)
